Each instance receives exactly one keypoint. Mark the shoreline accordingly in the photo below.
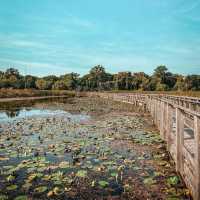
(29, 98)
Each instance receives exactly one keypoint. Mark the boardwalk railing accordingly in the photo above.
(178, 119)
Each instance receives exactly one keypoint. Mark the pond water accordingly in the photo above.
(12, 111)
(33, 112)
(47, 151)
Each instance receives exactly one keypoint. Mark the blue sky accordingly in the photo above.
(44, 37)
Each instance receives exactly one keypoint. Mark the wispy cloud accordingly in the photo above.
(28, 67)
(74, 20)
(188, 7)
(19, 41)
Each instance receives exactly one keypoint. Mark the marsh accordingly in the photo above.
(83, 148)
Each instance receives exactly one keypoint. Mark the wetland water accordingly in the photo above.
(83, 148)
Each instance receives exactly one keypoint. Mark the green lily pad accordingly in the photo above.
(22, 197)
(34, 176)
(173, 198)
(41, 189)
(114, 174)
(174, 180)
(81, 173)
(64, 164)
(47, 177)
(103, 183)
(27, 186)
(10, 178)
(3, 197)
(58, 191)
(149, 181)
(12, 187)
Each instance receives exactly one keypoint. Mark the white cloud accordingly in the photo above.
(29, 67)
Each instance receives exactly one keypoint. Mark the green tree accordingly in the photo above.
(59, 85)
(180, 83)
(30, 81)
(95, 79)
(42, 84)
(140, 81)
(123, 81)
(11, 72)
(192, 82)
(162, 79)
(160, 72)
(70, 80)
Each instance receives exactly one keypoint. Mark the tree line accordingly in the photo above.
(99, 79)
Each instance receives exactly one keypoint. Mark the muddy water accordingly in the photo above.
(83, 149)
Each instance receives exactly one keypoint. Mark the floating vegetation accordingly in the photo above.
(11, 187)
(174, 180)
(103, 183)
(3, 197)
(81, 173)
(22, 197)
(41, 189)
(114, 153)
(149, 181)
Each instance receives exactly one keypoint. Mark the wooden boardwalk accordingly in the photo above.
(178, 119)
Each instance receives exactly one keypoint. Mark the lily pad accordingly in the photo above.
(174, 180)
(12, 187)
(149, 181)
(114, 174)
(22, 197)
(27, 186)
(34, 176)
(64, 164)
(10, 178)
(103, 183)
(81, 173)
(40, 189)
(58, 191)
(3, 197)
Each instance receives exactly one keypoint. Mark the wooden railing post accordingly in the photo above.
(166, 122)
(162, 113)
(197, 157)
(156, 109)
(169, 126)
(179, 139)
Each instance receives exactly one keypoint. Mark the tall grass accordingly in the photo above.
(12, 93)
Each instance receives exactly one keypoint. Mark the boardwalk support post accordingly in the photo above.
(179, 140)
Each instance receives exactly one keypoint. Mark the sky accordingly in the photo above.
(43, 37)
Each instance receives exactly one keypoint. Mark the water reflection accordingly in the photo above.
(14, 105)
(19, 109)
(12, 113)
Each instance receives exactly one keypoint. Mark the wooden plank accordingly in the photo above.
(169, 125)
(189, 179)
(179, 139)
(162, 113)
(167, 121)
(188, 158)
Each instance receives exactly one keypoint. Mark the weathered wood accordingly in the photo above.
(169, 127)
(162, 119)
(179, 140)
